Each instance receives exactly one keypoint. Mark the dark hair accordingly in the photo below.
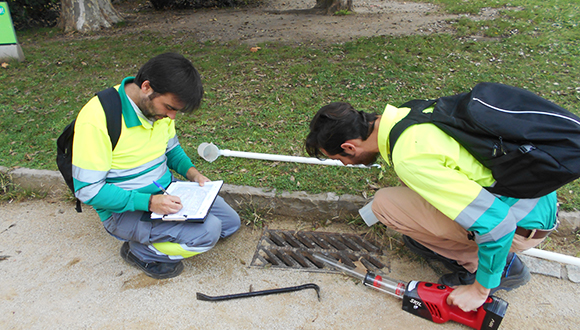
(173, 73)
(334, 124)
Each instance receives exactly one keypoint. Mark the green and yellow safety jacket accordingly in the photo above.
(121, 180)
(439, 169)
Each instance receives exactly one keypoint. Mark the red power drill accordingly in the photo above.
(429, 300)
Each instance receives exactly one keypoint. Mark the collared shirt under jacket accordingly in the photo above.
(122, 180)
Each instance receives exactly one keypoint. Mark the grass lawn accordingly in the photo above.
(263, 101)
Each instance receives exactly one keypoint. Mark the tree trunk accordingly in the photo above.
(87, 15)
(332, 6)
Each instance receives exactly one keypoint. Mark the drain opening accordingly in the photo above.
(293, 250)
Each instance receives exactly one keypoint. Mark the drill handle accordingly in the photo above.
(486, 317)
(429, 300)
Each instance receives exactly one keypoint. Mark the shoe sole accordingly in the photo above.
(129, 258)
(165, 276)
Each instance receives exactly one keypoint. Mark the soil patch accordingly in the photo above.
(293, 21)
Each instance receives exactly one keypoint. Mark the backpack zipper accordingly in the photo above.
(528, 112)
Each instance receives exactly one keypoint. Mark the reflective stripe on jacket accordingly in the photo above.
(439, 169)
(122, 180)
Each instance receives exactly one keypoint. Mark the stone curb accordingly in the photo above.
(298, 204)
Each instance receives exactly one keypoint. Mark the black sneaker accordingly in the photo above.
(157, 270)
(515, 274)
(457, 278)
(426, 253)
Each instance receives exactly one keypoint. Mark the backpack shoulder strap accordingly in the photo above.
(415, 116)
(111, 102)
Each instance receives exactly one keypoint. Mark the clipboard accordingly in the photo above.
(196, 200)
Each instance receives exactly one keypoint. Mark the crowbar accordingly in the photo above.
(201, 296)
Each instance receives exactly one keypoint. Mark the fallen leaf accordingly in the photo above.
(374, 186)
(360, 266)
(255, 49)
(4, 65)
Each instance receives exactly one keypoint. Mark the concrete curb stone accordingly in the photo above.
(297, 204)
(543, 267)
(573, 272)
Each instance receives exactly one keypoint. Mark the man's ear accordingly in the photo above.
(349, 147)
(146, 88)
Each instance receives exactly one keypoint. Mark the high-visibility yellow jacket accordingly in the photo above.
(121, 180)
(440, 170)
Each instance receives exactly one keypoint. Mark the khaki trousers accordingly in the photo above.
(405, 211)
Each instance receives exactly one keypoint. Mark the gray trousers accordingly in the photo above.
(191, 238)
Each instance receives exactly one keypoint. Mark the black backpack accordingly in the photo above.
(111, 103)
(531, 145)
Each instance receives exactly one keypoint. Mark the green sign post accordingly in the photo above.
(9, 47)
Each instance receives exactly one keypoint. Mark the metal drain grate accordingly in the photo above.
(294, 249)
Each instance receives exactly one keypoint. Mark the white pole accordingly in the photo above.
(283, 158)
(210, 152)
(553, 256)
(279, 158)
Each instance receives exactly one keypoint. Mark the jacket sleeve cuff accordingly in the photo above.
(141, 201)
(184, 166)
(488, 280)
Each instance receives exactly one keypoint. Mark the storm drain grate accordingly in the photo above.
(293, 250)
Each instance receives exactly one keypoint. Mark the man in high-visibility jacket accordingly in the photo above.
(442, 208)
(119, 183)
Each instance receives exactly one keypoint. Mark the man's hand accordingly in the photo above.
(165, 204)
(468, 297)
(194, 175)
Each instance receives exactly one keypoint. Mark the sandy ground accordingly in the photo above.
(293, 21)
(61, 270)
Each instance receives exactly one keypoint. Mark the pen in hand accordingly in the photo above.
(161, 187)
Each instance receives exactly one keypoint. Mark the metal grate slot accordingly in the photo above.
(269, 257)
(308, 243)
(319, 264)
(293, 250)
(274, 238)
(350, 243)
(299, 258)
(320, 242)
(291, 240)
(366, 245)
(336, 243)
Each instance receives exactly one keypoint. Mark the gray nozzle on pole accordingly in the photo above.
(210, 152)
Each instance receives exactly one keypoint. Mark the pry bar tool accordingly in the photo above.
(201, 296)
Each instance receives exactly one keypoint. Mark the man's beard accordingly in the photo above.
(366, 158)
(148, 111)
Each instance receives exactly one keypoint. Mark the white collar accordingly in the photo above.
(139, 112)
